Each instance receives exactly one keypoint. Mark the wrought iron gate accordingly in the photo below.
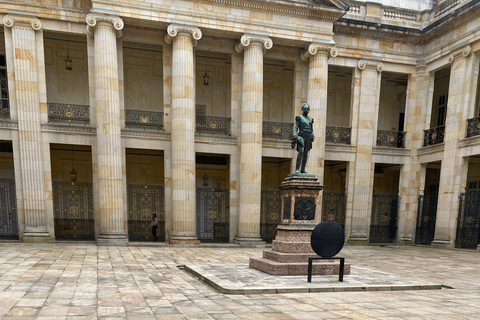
(270, 214)
(383, 228)
(468, 223)
(73, 210)
(8, 209)
(334, 208)
(143, 201)
(426, 217)
(213, 216)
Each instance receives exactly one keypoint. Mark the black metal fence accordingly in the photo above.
(145, 120)
(468, 223)
(473, 127)
(213, 125)
(334, 207)
(383, 227)
(213, 215)
(277, 130)
(270, 214)
(433, 136)
(68, 113)
(426, 217)
(391, 139)
(4, 113)
(340, 135)
(8, 209)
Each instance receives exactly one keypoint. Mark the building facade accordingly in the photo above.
(114, 110)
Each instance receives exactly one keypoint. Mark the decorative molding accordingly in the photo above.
(431, 149)
(331, 147)
(9, 124)
(248, 39)
(79, 129)
(382, 33)
(174, 29)
(460, 53)
(465, 142)
(370, 65)
(421, 68)
(318, 48)
(145, 134)
(391, 151)
(22, 21)
(272, 143)
(215, 139)
(93, 19)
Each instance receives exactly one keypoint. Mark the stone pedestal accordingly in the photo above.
(291, 247)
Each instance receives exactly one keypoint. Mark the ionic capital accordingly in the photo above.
(94, 19)
(248, 39)
(421, 68)
(11, 20)
(174, 29)
(318, 49)
(370, 65)
(459, 54)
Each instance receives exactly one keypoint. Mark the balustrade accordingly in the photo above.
(68, 113)
(277, 130)
(433, 136)
(139, 119)
(473, 127)
(340, 135)
(213, 125)
(4, 113)
(391, 139)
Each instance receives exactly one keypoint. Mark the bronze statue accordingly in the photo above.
(303, 137)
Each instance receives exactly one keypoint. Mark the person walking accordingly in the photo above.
(154, 226)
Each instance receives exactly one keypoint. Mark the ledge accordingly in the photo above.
(72, 128)
(431, 149)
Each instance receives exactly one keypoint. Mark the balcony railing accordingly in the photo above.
(4, 113)
(277, 130)
(146, 120)
(391, 139)
(433, 136)
(339, 135)
(213, 125)
(68, 113)
(473, 127)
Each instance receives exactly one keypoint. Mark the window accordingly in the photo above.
(442, 110)
(3, 84)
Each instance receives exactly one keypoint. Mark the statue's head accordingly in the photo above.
(305, 107)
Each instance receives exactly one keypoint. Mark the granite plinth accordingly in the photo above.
(325, 267)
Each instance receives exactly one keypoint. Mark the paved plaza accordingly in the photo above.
(82, 281)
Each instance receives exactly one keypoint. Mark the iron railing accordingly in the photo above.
(340, 135)
(334, 207)
(391, 139)
(139, 119)
(270, 213)
(468, 223)
(213, 125)
(277, 130)
(8, 209)
(4, 113)
(433, 136)
(383, 228)
(426, 218)
(473, 127)
(68, 113)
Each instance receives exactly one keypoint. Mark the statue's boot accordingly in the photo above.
(299, 160)
(304, 162)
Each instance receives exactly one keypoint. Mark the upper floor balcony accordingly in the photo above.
(338, 135)
(144, 120)
(391, 139)
(277, 130)
(68, 113)
(433, 136)
(213, 125)
(473, 127)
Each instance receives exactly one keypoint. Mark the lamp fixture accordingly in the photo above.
(205, 179)
(68, 61)
(206, 76)
(73, 173)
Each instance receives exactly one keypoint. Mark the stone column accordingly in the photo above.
(183, 39)
(363, 167)
(317, 55)
(453, 174)
(254, 48)
(417, 94)
(25, 51)
(105, 30)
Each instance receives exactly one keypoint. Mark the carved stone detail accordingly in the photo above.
(248, 39)
(174, 29)
(458, 54)
(22, 21)
(370, 65)
(93, 20)
(317, 48)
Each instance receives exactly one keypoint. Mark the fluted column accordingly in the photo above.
(183, 39)
(317, 55)
(254, 48)
(363, 167)
(453, 173)
(105, 30)
(26, 32)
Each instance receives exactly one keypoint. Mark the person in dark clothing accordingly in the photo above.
(154, 226)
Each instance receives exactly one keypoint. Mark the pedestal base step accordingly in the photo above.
(297, 268)
(287, 257)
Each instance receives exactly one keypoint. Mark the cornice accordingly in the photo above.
(320, 49)
(174, 29)
(279, 144)
(431, 149)
(332, 147)
(469, 142)
(78, 129)
(25, 21)
(391, 151)
(459, 54)
(9, 124)
(145, 134)
(247, 39)
(215, 139)
(93, 19)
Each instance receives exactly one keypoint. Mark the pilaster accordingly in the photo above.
(453, 173)
(25, 57)
(361, 178)
(105, 30)
(183, 39)
(254, 47)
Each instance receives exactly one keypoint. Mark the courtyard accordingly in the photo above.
(79, 280)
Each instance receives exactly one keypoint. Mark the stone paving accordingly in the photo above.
(83, 281)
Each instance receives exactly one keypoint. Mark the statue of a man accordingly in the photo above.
(303, 136)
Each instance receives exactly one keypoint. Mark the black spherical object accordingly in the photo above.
(327, 239)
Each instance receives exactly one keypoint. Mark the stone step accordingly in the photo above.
(297, 268)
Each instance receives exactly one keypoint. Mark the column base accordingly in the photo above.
(36, 237)
(406, 240)
(442, 244)
(250, 242)
(119, 240)
(358, 241)
(184, 240)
